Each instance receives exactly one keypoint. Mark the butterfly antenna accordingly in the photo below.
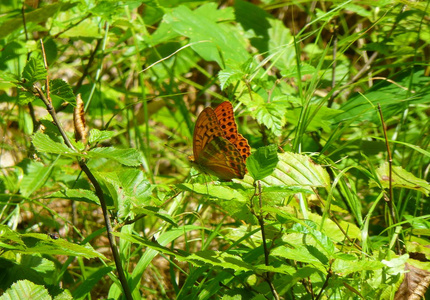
(174, 149)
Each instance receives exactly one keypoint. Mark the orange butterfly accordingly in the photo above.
(217, 146)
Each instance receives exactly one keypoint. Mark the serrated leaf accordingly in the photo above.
(26, 97)
(298, 253)
(44, 143)
(310, 228)
(24, 289)
(43, 244)
(228, 75)
(100, 135)
(35, 176)
(219, 259)
(62, 90)
(272, 116)
(233, 199)
(215, 191)
(401, 179)
(282, 269)
(128, 157)
(262, 162)
(151, 244)
(297, 170)
(346, 267)
(129, 188)
(77, 195)
(34, 71)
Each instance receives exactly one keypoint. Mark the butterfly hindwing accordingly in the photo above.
(222, 159)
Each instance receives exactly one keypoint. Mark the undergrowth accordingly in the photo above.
(332, 97)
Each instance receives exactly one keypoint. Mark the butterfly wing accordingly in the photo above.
(225, 115)
(207, 127)
(221, 158)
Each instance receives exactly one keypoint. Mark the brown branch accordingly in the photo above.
(260, 218)
(98, 190)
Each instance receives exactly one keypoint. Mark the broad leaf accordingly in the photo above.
(128, 157)
(25, 289)
(401, 179)
(44, 143)
(77, 195)
(262, 162)
(297, 170)
(34, 71)
(63, 91)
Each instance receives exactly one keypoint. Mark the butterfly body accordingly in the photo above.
(217, 146)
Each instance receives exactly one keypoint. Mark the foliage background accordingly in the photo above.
(304, 76)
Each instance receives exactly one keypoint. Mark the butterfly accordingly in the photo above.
(217, 146)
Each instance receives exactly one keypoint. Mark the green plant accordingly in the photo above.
(332, 98)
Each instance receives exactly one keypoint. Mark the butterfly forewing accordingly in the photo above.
(225, 115)
(207, 127)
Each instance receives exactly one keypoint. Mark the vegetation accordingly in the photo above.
(333, 98)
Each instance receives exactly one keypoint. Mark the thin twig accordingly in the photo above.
(390, 198)
(36, 123)
(333, 73)
(98, 190)
(266, 251)
(329, 275)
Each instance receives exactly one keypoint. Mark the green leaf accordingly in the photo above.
(26, 97)
(310, 228)
(232, 198)
(129, 188)
(215, 191)
(219, 259)
(298, 252)
(271, 114)
(391, 97)
(297, 170)
(10, 239)
(346, 267)
(401, 179)
(128, 157)
(36, 16)
(155, 211)
(62, 90)
(34, 71)
(24, 289)
(77, 195)
(281, 45)
(322, 117)
(44, 143)
(262, 162)
(43, 244)
(212, 41)
(100, 135)
(228, 75)
(35, 176)
(90, 281)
